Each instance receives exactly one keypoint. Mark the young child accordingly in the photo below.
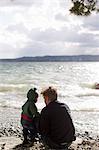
(28, 115)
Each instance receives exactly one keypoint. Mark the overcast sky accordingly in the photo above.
(45, 27)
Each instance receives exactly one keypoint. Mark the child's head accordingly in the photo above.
(32, 95)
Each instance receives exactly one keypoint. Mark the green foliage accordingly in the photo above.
(83, 7)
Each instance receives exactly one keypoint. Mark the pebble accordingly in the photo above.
(83, 142)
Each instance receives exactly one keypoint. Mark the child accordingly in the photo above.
(28, 115)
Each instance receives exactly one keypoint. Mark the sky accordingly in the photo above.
(45, 27)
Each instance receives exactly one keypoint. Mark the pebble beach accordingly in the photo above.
(11, 134)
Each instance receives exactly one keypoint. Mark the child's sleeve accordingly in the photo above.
(33, 110)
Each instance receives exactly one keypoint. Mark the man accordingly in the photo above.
(56, 126)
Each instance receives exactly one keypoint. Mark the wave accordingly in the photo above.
(88, 85)
(12, 87)
(88, 94)
(86, 110)
(74, 107)
(12, 104)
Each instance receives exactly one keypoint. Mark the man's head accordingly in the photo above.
(32, 95)
(49, 95)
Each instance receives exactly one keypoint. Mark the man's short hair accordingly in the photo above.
(51, 93)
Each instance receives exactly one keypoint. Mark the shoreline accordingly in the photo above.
(11, 134)
(11, 139)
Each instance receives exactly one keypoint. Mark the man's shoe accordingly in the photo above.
(30, 144)
(25, 143)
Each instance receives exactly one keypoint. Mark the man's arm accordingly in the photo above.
(44, 123)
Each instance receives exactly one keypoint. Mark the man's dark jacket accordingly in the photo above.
(56, 123)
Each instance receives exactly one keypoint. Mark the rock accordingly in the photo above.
(78, 141)
(86, 142)
(86, 132)
(3, 146)
(8, 143)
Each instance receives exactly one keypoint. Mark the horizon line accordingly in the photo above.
(50, 56)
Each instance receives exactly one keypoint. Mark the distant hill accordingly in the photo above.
(77, 58)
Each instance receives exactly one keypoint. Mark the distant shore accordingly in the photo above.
(11, 134)
(60, 58)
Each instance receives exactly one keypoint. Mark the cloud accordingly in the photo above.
(45, 28)
(20, 2)
(63, 35)
(15, 39)
(42, 48)
(92, 22)
(6, 49)
(61, 17)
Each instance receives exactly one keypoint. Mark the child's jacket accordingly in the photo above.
(29, 112)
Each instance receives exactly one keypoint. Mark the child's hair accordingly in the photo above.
(32, 94)
(51, 93)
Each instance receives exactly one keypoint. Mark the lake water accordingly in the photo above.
(74, 81)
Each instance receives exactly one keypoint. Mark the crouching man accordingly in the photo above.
(56, 126)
